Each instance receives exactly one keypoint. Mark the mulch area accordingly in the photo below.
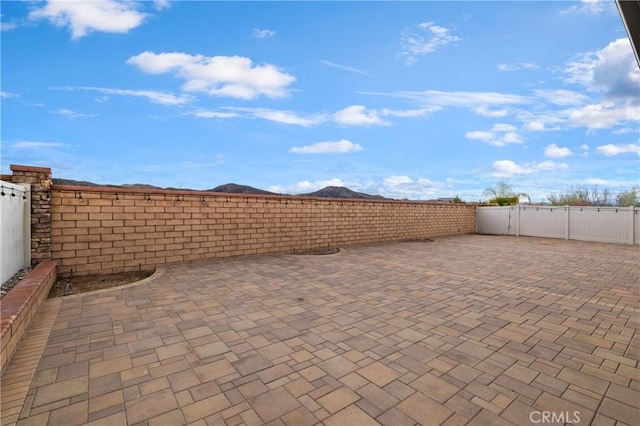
(83, 284)
(13, 281)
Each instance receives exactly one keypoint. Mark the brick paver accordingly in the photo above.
(464, 330)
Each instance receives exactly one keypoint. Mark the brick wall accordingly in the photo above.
(101, 229)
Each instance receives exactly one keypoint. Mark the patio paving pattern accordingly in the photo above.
(464, 330)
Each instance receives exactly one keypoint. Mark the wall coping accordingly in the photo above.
(20, 168)
(200, 193)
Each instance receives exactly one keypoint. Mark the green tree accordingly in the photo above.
(583, 196)
(628, 198)
(503, 195)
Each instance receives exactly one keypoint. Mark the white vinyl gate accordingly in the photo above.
(15, 229)
(604, 224)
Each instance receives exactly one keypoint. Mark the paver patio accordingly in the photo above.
(477, 330)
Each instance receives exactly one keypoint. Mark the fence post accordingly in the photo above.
(518, 220)
(567, 208)
(632, 227)
(26, 224)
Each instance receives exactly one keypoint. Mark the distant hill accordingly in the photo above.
(342, 192)
(139, 186)
(233, 188)
(71, 182)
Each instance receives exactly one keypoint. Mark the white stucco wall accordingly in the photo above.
(14, 241)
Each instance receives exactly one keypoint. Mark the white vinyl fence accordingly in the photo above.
(603, 224)
(15, 229)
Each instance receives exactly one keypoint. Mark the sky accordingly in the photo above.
(417, 100)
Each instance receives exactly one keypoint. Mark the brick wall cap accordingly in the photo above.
(19, 168)
(195, 192)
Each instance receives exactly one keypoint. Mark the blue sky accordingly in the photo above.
(404, 99)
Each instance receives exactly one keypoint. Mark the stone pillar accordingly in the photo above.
(40, 180)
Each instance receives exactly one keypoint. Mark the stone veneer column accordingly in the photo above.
(40, 180)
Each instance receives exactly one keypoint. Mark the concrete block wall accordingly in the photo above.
(108, 230)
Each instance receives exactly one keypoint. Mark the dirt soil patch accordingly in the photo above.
(83, 284)
(318, 252)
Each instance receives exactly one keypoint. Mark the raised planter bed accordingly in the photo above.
(20, 306)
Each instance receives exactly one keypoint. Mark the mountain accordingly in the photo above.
(139, 186)
(233, 188)
(342, 192)
(71, 182)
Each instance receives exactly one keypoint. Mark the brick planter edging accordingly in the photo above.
(20, 306)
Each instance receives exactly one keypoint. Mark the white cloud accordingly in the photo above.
(480, 134)
(535, 126)
(624, 130)
(554, 151)
(501, 127)
(499, 135)
(339, 147)
(585, 150)
(562, 97)
(215, 114)
(8, 26)
(35, 144)
(603, 115)
(596, 181)
(486, 112)
(344, 67)
(282, 116)
(508, 168)
(161, 4)
(306, 186)
(620, 184)
(257, 33)
(397, 180)
(610, 149)
(230, 76)
(411, 113)
(7, 95)
(518, 66)
(68, 113)
(538, 119)
(612, 71)
(424, 38)
(589, 7)
(155, 96)
(357, 115)
(403, 186)
(509, 137)
(395, 186)
(457, 98)
(286, 117)
(84, 17)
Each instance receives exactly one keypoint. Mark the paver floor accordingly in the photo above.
(477, 330)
